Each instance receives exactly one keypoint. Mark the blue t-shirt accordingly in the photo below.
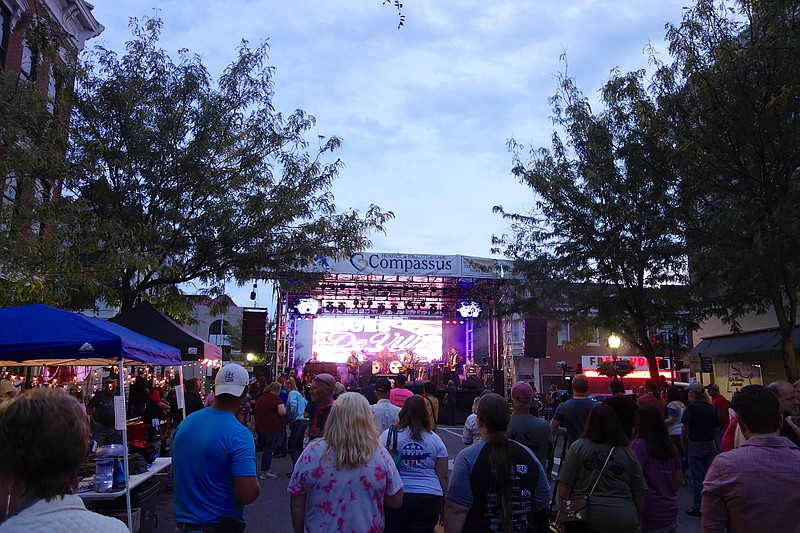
(572, 415)
(296, 405)
(210, 448)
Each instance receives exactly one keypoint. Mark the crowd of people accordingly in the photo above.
(380, 447)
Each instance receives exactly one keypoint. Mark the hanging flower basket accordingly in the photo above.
(617, 368)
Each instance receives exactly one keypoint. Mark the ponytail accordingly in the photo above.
(494, 415)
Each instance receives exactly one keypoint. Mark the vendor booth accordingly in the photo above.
(35, 335)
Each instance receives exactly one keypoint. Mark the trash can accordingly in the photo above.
(143, 505)
(144, 497)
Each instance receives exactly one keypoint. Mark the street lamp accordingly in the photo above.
(250, 357)
(613, 342)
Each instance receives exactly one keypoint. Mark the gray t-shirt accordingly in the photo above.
(572, 416)
(533, 432)
(612, 507)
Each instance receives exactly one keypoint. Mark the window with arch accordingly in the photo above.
(219, 333)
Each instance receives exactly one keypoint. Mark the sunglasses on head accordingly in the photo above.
(323, 380)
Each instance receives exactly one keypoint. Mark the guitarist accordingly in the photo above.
(453, 365)
(409, 360)
(352, 370)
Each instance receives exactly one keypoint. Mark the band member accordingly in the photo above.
(313, 359)
(409, 362)
(352, 369)
(454, 366)
(384, 358)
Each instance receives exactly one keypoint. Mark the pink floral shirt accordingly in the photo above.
(343, 500)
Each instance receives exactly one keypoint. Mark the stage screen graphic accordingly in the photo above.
(335, 337)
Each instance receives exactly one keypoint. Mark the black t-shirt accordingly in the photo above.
(102, 406)
(317, 425)
(368, 392)
(193, 401)
(701, 420)
(483, 517)
(625, 408)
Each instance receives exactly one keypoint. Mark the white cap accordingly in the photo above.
(231, 379)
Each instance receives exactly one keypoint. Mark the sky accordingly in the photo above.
(424, 111)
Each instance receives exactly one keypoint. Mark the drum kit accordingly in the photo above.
(386, 362)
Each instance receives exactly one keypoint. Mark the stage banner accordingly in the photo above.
(391, 265)
(481, 267)
(383, 264)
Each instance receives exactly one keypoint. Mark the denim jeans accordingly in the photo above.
(295, 443)
(700, 454)
(418, 514)
(270, 440)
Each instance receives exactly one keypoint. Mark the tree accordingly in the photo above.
(603, 246)
(732, 93)
(35, 266)
(187, 181)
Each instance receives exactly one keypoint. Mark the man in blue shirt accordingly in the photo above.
(214, 459)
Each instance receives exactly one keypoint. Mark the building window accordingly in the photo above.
(9, 190)
(30, 58)
(5, 31)
(52, 90)
(219, 333)
(594, 340)
(41, 194)
(563, 333)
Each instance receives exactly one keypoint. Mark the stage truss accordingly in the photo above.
(376, 296)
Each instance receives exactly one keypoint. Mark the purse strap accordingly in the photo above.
(392, 435)
(601, 471)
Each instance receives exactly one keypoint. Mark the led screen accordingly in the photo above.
(335, 337)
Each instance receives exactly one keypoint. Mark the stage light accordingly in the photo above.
(329, 307)
(469, 309)
(433, 308)
(356, 302)
(393, 308)
(409, 304)
(369, 304)
(445, 308)
(381, 307)
(307, 306)
(342, 308)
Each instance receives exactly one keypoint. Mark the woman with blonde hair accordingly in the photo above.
(343, 480)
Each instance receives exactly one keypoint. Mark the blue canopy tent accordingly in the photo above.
(34, 335)
(40, 335)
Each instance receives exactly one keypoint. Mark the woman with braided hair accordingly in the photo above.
(495, 476)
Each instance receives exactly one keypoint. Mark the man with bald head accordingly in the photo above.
(322, 394)
(789, 405)
(572, 414)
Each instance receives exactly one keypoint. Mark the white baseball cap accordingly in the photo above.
(231, 379)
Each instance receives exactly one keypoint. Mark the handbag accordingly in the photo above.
(575, 509)
(391, 445)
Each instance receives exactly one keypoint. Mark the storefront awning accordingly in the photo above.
(752, 345)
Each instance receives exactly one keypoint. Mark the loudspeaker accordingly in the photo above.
(535, 337)
(470, 383)
(498, 385)
(254, 330)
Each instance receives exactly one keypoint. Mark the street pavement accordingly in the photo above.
(270, 512)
